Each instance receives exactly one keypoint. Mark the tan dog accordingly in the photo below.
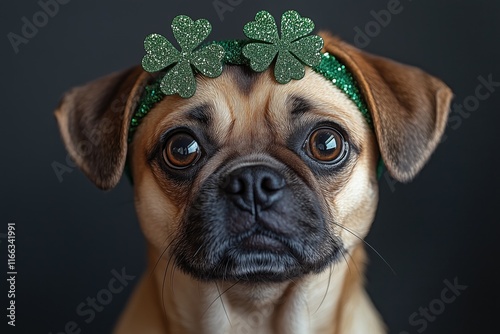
(250, 232)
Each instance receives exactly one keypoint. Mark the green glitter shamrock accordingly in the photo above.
(161, 54)
(294, 49)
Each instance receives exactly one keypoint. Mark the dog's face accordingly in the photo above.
(254, 180)
(250, 179)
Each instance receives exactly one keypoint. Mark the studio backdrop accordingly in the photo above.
(433, 248)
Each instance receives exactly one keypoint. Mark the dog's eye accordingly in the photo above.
(181, 151)
(326, 145)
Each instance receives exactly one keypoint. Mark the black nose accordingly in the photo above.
(254, 188)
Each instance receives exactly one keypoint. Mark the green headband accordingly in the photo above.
(293, 51)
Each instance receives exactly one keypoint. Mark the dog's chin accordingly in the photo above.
(258, 259)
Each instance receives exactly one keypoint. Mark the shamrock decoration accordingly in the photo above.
(294, 49)
(161, 54)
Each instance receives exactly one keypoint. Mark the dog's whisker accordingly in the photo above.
(332, 240)
(163, 289)
(327, 288)
(224, 275)
(198, 250)
(353, 262)
(370, 246)
(162, 253)
(172, 274)
(223, 306)
(163, 285)
(220, 296)
(342, 252)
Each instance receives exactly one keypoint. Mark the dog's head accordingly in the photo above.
(250, 179)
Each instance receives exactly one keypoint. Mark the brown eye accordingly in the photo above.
(181, 151)
(326, 145)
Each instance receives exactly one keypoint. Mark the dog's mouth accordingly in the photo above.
(266, 259)
(262, 257)
(263, 243)
(259, 256)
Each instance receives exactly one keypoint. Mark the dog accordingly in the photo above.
(252, 226)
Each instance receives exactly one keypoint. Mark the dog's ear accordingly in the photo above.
(94, 120)
(409, 107)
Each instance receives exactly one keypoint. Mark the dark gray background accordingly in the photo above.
(71, 235)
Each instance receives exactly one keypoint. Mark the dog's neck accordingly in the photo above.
(313, 304)
(194, 307)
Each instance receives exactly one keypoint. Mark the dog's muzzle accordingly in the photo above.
(255, 222)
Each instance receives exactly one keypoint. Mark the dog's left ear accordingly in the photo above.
(94, 121)
(409, 107)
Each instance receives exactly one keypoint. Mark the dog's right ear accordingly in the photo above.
(94, 121)
(409, 107)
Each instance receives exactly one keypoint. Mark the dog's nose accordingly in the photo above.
(254, 187)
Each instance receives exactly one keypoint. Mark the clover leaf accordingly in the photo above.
(181, 65)
(294, 49)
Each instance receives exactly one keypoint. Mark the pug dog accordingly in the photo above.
(254, 197)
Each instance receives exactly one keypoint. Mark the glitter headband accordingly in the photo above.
(290, 54)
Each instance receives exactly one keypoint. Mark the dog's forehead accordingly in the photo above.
(242, 104)
(241, 97)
